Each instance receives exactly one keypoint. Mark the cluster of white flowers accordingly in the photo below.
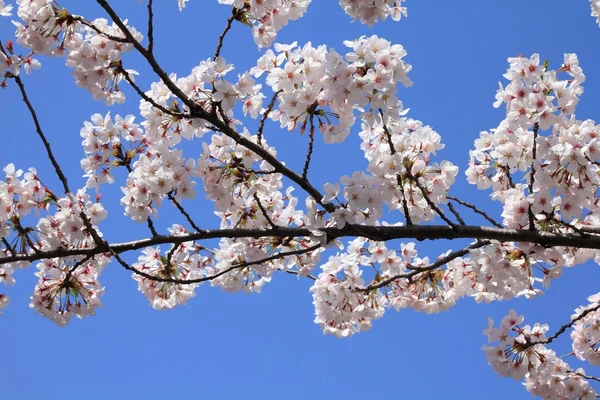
(399, 151)
(267, 17)
(586, 334)
(564, 168)
(371, 11)
(49, 29)
(68, 287)
(103, 148)
(155, 177)
(596, 10)
(66, 228)
(345, 306)
(182, 262)
(12, 63)
(20, 194)
(5, 11)
(340, 308)
(248, 194)
(316, 85)
(58, 294)
(520, 353)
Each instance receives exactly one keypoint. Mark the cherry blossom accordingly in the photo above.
(371, 11)
(5, 9)
(519, 352)
(49, 29)
(540, 163)
(595, 10)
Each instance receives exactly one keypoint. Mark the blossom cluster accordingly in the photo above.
(68, 287)
(585, 334)
(20, 194)
(558, 167)
(248, 194)
(267, 17)
(519, 352)
(11, 63)
(595, 10)
(93, 49)
(345, 305)
(317, 85)
(183, 262)
(400, 154)
(371, 11)
(5, 9)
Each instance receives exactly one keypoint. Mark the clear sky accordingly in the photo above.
(229, 346)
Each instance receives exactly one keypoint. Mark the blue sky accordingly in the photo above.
(266, 346)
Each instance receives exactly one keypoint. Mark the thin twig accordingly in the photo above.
(40, 132)
(311, 142)
(83, 21)
(477, 210)
(532, 176)
(9, 247)
(563, 328)
(588, 377)
(230, 20)
(261, 124)
(144, 96)
(79, 264)
(430, 202)
(183, 212)
(388, 135)
(456, 214)
(150, 27)
(292, 272)
(264, 212)
(220, 273)
(440, 262)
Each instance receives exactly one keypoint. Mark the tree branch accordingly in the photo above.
(388, 135)
(198, 112)
(150, 27)
(311, 142)
(377, 233)
(183, 212)
(223, 272)
(267, 111)
(234, 14)
(532, 176)
(440, 262)
(477, 210)
(40, 132)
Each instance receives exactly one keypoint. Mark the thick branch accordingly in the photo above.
(378, 233)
